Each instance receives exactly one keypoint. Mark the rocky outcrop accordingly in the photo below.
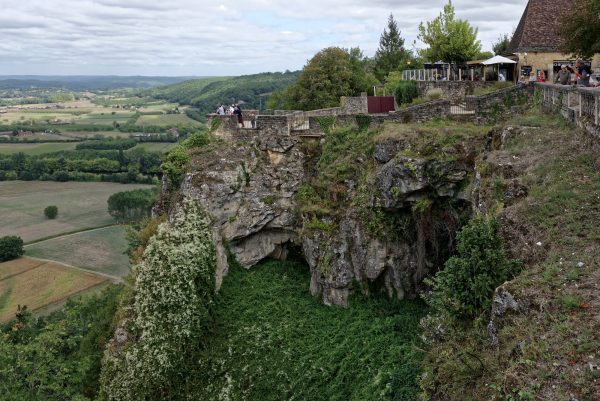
(248, 188)
(401, 231)
(420, 203)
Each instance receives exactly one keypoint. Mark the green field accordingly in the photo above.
(101, 250)
(92, 134)
(35, 148)
(165, 120)
(156, 146)
(38, 284)
(81, 205)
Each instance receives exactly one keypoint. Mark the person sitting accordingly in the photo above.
(501, 77)
(221, 110)
(563, 75)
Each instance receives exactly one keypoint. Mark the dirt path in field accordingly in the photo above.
(85, 230)
(114, 279)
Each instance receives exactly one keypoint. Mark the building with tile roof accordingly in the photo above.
(536, 41)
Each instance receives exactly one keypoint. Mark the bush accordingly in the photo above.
(11, 247)
(434, 94)
(51, 212)
(406, 91)
(465, 286)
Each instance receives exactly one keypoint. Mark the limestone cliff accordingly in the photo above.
(385, 226)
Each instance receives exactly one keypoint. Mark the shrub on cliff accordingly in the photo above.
(11, 247)
(168, 313)
(465, 286)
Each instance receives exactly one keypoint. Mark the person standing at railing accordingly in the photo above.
(221, 110)
(582, 73)
(563, 75)
(238, 112)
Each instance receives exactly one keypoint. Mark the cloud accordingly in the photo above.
(225, 37)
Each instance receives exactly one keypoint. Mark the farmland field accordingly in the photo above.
(156, 146)
(38, 284)
(81, 205)
(35, 148)
(166, 120)
(101, 250)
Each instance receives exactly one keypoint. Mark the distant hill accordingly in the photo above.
(85, 82)
(206, 93)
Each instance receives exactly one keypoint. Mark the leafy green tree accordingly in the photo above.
(332, 73)
(449, 39)
(465, 286)
(500, 48)
(133, 205)
(51, 212)
(11, 247)
(391, 53)
(579, 29)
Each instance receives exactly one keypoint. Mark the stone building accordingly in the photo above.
(536, 42)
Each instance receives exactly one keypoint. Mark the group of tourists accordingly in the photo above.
(236, 110)
(578, 74)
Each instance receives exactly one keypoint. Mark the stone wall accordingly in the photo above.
(508, 97)
(355, 105)
(580, 106)
(455, 91)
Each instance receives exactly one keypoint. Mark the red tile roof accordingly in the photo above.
(537, 29)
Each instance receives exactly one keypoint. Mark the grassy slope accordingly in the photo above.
(100, 250)
(35, 148)
(274, 341)
(80, 205)
(544, 353)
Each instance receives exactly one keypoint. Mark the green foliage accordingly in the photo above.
(274, 341)
(405, 92)
(57, 357)
(206, 93)
(465, 286)
(327, 123)
(108, 144)
(500, 47)
(174, 164)
(330, 74)
(11, 247)
(197, 139)
(130, 206)
(579, 29)
(391, 53)
(168, 314)
(449, 39)
(363, 121)
(51, 212)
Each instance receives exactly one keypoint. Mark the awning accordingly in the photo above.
(498, 60)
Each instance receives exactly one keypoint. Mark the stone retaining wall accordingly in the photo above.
(455, 91)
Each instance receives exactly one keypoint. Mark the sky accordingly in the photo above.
(212, 38)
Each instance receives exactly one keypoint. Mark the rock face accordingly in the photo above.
(401, 255)
(249, 187)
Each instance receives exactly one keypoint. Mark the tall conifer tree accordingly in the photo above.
(391, 53)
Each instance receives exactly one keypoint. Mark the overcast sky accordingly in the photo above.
(218, 37)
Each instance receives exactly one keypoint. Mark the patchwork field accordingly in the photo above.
(101, 250)
(37, 284)
(81, 205)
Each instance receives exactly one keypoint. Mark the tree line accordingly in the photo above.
(132, 166)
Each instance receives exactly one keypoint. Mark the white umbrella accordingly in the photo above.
(498, 60)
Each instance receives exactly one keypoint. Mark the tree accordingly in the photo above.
(391, 53)
(11, 247)
(449, 39)
(331, 73)
(51, 212)
(579, 29)
(500, 48)
(132, 205)
(465, 286)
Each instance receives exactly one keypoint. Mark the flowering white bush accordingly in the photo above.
(168, 314)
